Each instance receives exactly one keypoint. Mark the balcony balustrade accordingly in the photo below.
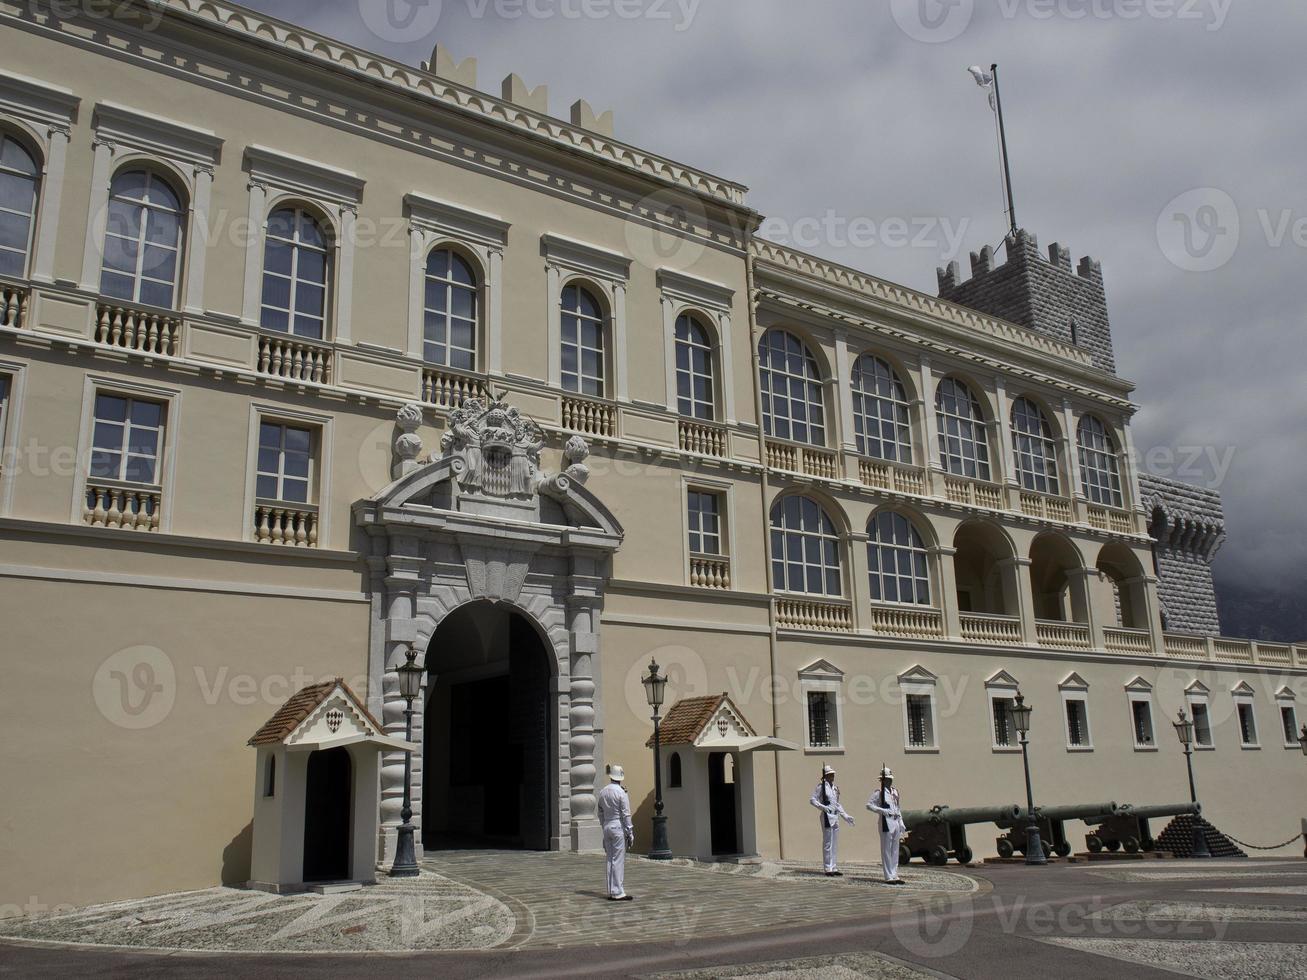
(131, 507)
(294, 525)
(901, 621)
(293, 359)
(710, 572)
(590, 418)
(814, 614)
(142, 331)
(988, 628)
(702, 438)
(13, 305)
(1062, 636)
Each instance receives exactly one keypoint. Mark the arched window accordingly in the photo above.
(19, 180)
(1100, 469)
(880, 411)
(695, 395)
(896, 556)
(805, 548)
(142, 239)
(583, 342)
(1033, 448)
(674, 771)
(450, 311)
(792, 403)
(963, 442)
(296, 271)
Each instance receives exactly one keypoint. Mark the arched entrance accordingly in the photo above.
(489, 732)
(723, 804)
(328, 803)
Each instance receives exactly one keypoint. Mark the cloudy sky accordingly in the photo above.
(836, 110)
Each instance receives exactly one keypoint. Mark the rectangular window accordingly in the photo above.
(1247, 725)
(920, 721)
(1005, 735)
(127, 440)
(705, 522)
(1077, 724)
(285, 465)
(1202, 725)
(822, 720)
(1288, 721)
(1141, 712)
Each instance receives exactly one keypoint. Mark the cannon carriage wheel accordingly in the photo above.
(938, 856)
(1005, 848)
(1063, 849)
(1094, 843)
(905, 855)
(1131, 845)
(964, 855)
(1113, 846)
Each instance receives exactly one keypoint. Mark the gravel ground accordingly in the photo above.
(853, 966)
(427, 913)
(1206, 960)
(1199, 912)
(916, 877)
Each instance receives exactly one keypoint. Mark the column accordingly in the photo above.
(553, 356)
(495, 313)
(1071, 450)
(619, 343)
(343, 333)
(945, 586)
(1144, 589)
(847, 443)
(930, 428)
(197, 260)
(401, 582)
(101, 177)
(419, 241)
(587, 835)
(1084, 605)
(669, 354)
(726, 364)
(254, 253)
(1005, 473)
(1130, 478)
(47, 231)
(1017, 594)
(855, 544)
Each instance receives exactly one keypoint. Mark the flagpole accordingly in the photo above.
(1007, 167)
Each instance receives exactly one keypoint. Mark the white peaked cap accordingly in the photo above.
(827, 771)
(616, 773)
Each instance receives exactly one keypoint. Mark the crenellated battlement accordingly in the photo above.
(1041, 291)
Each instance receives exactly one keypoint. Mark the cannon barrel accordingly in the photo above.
(962, 815)
(1148, 812)
(1077, 811)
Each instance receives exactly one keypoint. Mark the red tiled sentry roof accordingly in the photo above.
(686, 719)
(292, 714)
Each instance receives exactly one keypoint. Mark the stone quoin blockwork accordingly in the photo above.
(1040, 293)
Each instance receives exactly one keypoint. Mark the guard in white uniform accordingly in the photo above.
(826, 798)
(885, 802)
(619, 834)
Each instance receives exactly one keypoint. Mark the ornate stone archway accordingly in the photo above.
(483, 522)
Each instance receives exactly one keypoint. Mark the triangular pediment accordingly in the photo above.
(319, 713)
(1139, 684)
(1002, 679)
(726, 724)
(917, 675)
(822, 669)
(1286, 694)
(1243, 688)
(1074, 682)
(1198, 687)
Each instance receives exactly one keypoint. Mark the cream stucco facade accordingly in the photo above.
(157, 616)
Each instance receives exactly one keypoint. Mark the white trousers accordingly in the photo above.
(889, 853)
(830, 844)
(615, 849)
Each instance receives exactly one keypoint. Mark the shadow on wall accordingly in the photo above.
(236, 857)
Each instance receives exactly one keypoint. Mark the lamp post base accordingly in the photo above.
(1034, 846)
(406, 865)
(1199, 849)
(660, 851)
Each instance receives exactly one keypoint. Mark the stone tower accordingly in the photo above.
(1187, 526)
(1040, 293)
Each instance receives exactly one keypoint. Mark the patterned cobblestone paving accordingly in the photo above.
(852, 966)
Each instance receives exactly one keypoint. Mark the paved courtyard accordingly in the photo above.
(542, 915)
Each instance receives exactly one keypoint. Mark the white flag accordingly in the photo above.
(985, 80)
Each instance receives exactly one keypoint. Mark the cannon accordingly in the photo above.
(1127, 829)
(939, 833)
(1051, 821)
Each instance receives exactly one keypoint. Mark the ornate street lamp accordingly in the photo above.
(1021, 719)
(655, 687)
(1184, 730)
(410, 685)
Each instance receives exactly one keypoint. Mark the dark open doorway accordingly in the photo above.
(723, 803)
(328, 803)
(488, 741)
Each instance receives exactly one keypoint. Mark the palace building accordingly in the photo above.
(310, 359)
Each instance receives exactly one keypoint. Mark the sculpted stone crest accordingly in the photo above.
(499, 448)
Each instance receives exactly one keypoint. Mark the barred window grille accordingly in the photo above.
(1002, 711)
(920, 733)
(1075, 723)
(819, 720)
(1202, 725)
(1289, 719)
(1247, 724)
(1143, 719)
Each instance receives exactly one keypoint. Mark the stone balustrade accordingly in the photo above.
(989, 628)
(807, 460)
(959, 490)
(814, 614)
(143, 331)
(892, 476)
(906, 622)
(1062, 636)
(292, 359)
(702, 438)
(710, 572)
(1120, 640)
(295, 525)
(1049, 508)
(1110, 519)
(1221, 649)
(121, 505)
(590, 418)
(13, 305)
(449, 389)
